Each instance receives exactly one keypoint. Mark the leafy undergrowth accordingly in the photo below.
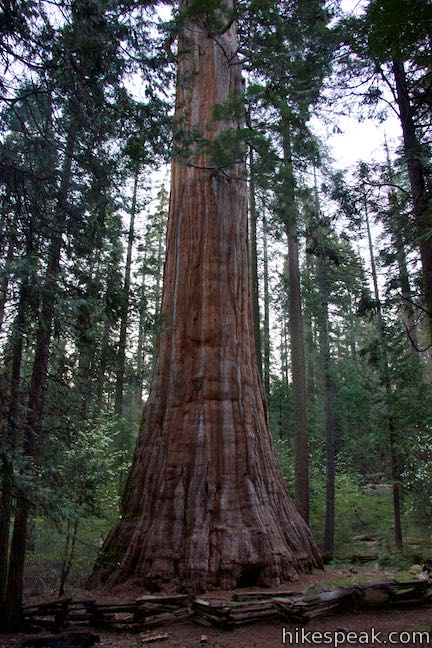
(363, 537)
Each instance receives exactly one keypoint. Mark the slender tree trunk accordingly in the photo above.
(121, 354)
(309, 338)
(286, 348)
(11, 439)
(69, 553)
(298, 361)
(284, 432)
(266, 336)
(103, 361)
(205, 504)
(32, 427)
(86, 349)
(404, 282)
(84, 379)
(109, 322)
(329, 420)
(254, 260)
(12, 421)
(329, 415)
(408, 308)
(141, 332)
(396, 479)
(5, 520)
(416, 173)
(5, 283)
(351, 335)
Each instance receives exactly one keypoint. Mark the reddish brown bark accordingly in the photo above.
(205, 504)
(254, 260)
(266, 323)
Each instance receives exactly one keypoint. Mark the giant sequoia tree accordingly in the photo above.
(205, 504)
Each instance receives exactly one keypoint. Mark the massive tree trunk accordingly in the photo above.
(254, 260)
(158, 286)
(205, 504)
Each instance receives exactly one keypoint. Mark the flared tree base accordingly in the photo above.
(277, 547)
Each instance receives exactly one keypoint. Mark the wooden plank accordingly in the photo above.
(151, 638)
(251, 616)
(121, 608)
(250, 596)
(252, 609)
(175, 599)
(51, 604)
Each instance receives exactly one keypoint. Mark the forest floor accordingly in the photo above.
(373, 628)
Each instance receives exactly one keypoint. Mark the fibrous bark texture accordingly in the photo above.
(205, 504)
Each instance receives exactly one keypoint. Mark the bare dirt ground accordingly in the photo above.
(374, 628)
